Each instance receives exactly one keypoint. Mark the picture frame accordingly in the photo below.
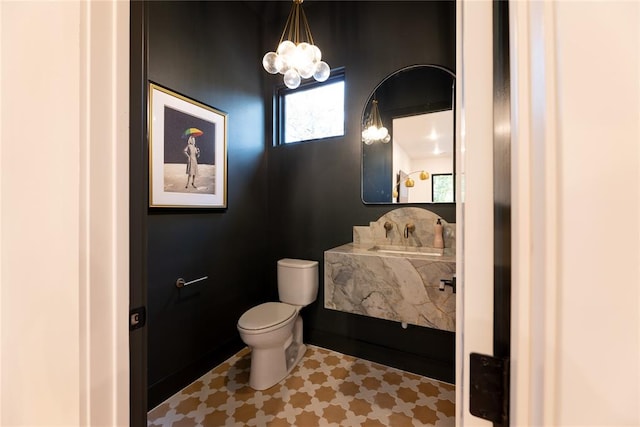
(187, 152)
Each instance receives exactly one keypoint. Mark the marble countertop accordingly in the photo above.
(402, 252)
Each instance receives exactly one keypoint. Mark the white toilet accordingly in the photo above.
(273, 330)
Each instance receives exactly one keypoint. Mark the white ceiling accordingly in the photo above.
(425, 134)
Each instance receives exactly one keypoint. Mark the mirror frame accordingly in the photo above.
(366, 109)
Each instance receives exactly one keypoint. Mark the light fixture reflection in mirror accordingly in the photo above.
(405, 182)
(374, 130)
(416, 105)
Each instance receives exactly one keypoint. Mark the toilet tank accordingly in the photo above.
(297, 281)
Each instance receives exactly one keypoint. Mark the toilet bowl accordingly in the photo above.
(268, 330)
(273, 330)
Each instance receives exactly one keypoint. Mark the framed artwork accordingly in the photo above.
(187, 152)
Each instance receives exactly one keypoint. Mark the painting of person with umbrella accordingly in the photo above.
(192, 152)
(186, 137)
(189, 147)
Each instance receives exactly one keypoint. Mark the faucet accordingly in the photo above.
(447, 282)
(387, 228)
(408, 229)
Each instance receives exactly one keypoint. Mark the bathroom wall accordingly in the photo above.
(293, 201)
(314, 188)
(208, 51)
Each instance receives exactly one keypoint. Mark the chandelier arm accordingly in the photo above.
(287, 26)
(296, 25)
(307, 29)
(376, 114)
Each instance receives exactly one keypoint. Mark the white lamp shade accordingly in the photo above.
(269, 62)
(322, 71)
(292, 79)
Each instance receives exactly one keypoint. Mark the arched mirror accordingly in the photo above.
(408, 138)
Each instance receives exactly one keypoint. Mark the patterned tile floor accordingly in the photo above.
(325, 389)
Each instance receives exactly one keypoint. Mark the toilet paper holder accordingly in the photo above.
(180, 283)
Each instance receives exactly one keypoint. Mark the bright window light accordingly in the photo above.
(314, 113)
(442, 187)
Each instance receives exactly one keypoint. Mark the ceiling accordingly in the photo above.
(425, 135)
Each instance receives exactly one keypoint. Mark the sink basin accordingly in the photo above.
(407, 250)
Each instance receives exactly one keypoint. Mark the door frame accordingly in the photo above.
(557, 141)
(535, 234)
(474, 156)
(138, 209)
(65, 232)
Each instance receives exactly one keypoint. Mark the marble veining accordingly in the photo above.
(400, 285)
(423, 235)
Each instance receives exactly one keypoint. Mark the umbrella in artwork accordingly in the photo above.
(192, 132)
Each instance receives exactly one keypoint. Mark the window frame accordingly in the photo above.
(281, 91)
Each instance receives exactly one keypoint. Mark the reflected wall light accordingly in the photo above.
(408, 181)
(374, 130)
(296, 56)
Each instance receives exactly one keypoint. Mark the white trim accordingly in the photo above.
(546, 205)
(105, 212)
(40, 287)
(535, 214)
(85, 208)
(64, 226)
(521, 224)
(1, 223)
(474, 270)
(575, 321)
(460, 193)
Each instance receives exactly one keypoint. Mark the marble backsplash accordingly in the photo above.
(402, 286)
(423, 235)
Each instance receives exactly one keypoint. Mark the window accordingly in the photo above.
(311, 112)
(442, 187)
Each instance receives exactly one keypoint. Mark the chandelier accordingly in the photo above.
(296, 56)
(374, 130)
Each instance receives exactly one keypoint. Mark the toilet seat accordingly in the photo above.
(266, 316)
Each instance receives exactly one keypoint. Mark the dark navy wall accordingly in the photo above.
(207, 51)
(293, 201)
(314, 188)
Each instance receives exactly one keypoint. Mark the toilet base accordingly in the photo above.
(296, 355)
(269, 366)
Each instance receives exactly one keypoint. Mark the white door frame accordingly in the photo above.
(535, 239)
(64, 213)
(575, 209)
(104, 173)
(576, 213)
(474, 170)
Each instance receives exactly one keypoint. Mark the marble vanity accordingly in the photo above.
(393, 273)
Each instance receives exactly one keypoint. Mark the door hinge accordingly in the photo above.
(489, 388)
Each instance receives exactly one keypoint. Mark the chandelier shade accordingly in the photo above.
(296, 56)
